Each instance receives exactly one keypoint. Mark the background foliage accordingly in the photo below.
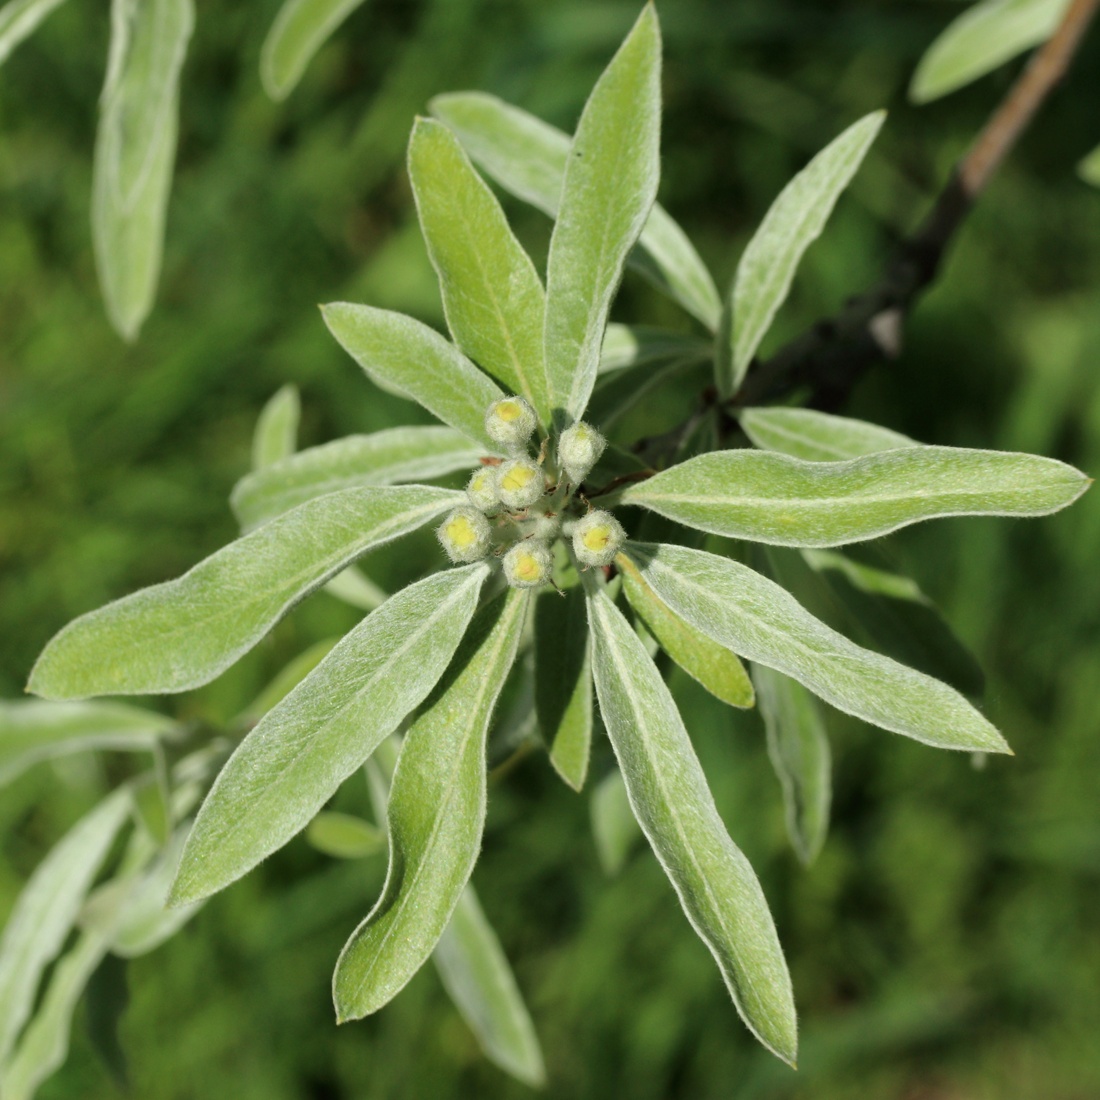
(943, 945)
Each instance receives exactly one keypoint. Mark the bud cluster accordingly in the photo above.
(516, 511)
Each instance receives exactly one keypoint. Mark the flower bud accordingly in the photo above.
(528, 564)
(482, 489)
(464, 534)
(510, 422)
(597, 538)
(520, 483)
(579, 448)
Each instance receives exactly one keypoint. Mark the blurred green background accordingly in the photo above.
(944, 946)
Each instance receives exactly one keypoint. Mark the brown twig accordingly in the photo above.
(832, 356)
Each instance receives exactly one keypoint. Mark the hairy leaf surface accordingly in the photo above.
(817, 436)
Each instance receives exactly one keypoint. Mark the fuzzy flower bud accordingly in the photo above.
(528, 564)
(464, 534)
(579, 448)
(482, 489)
(520, 483)
(597, 538)
(510, 422)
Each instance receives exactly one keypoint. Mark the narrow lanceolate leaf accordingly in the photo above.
(31, 730)
(291, 763)
(635, 345)
(769, 497)
(768, 265)
(183, 633)
(714, 666)
(799, 749)
(758, 619)
(344, 836)
(1089, 168)
(563, 683)
(382, 458)
(817, 436)
(46, 909)
(19, 19)
(436, 816)
(300, 29)
(276, 434)
(492, 295)
(673, 804)
(135, 151)
(479, 980)
(609, 187)
(980, 40)
(418, 362)
(527, 157)
(615, 829)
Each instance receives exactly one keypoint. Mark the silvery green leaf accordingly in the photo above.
(436, 815)
(761, 621)
(673, 804)
(45, 911)
(300, 29)
(1089, 168)
(563, 682)
(768, 497)
(492, 295)
(527, 157)
(353, 587)
(276, 434)
(817, 436)
(344, 836)
(292, 762)
(19, 19)
(32, 730)
(183, 633)
(382, 458)
(609, 186)
(768, 264)
(286, 680)
(635, 345)
(134, 152)
(714, 666)
(479, 980)
(418, 362)
(799, 749)
(615, 829)
(980, 40)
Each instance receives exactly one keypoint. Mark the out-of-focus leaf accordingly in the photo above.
(32, 730)
(563, 683)
(46, 909)
(817, 436)
(276, 434)
(291, 763)
(761, 621)
(19, 19)
(134, 152)
(980, 40)
(435, 818)
(768, 497)
(1090, 168)
(867, 578)
(768, 264)
(492, 295)
(527, 157)
(479, 980)
(714, 666)
(418, 362)
(183, 633)
(609, 186)
(670, 797)
(287, 679)
(615, 829)
(300, 29)
(353, 587)
(344, 836)
(635, 345)
(799, 749)
(387, 457)
(617, 393)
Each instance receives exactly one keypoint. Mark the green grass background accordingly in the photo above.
(944, 946)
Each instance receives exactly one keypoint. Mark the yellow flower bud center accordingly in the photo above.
(461, 532)
(478, 483)
(519, 477)
(509, 411)
(527, 567)
(597, 538)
